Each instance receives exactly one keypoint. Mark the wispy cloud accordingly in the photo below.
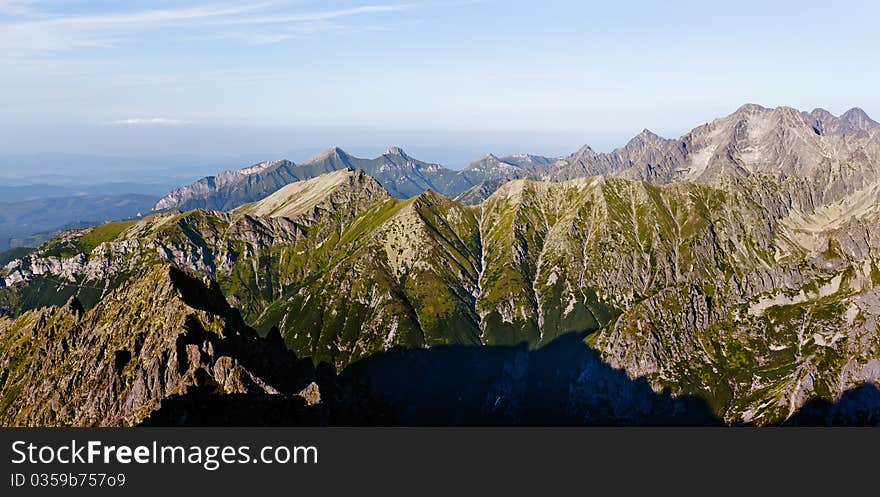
(319, 15)
(298, 30)
(15, 7)
(145, 17)
(46, 34)
(40, 33)
(150, 121)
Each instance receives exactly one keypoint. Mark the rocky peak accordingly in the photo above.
(820, 113)
(750, 109)
(585, 151)
(264, 166)
(396, 151)
(527, 158)
(430, 196)
(527, 161)
(789, 117)
(749, 113)
(823, 122)
(333, 152)
(490, 163)
(344, 186)
(647, 134)
(645, 138)
(857, 119)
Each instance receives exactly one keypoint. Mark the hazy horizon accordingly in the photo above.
(447, 80)
(171, 147)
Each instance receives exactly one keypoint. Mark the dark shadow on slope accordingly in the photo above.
(562, 383)
(198, 294)
(203, 407)
(859, 406)
(267, 357)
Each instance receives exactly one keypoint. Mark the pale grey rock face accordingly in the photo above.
(491, 168)
(229, 189)
(823, 157)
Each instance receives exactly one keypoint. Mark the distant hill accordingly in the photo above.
(400, 174)
(23, 219)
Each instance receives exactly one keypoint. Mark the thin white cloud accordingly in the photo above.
(150, 121)
(105, 30)
(15, 7)
(320, 15)
(144, 17)
(98, 30)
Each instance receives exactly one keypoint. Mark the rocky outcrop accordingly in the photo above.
(162, 333)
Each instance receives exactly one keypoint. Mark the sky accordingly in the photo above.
(450, 79)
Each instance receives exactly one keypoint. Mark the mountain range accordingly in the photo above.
(737, 265)
(697, 156)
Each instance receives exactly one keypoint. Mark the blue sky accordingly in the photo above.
(235, 77)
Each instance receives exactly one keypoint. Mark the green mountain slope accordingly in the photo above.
(403, 273)
(754, 291)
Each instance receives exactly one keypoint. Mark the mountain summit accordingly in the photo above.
(857, 119)
(395, 151)
(333, 154)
